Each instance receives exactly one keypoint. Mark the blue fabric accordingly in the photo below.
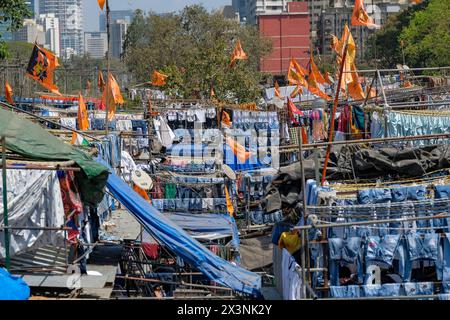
(344, 251)
(446, 287)
(445, 262)
(401, 125)
(422, 247)
(382, 249)
(372, 196)
(345, 291)
(442, 192)
(12, 287)
(177, 240)
(419, 288)
(204, 224)
(444, 296)
(385, 290)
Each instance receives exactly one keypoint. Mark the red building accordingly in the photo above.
(289, 32)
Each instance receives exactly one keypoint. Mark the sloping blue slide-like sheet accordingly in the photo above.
(177, 240)
(207, 226)
(12, 287)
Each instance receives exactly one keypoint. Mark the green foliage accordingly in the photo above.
(427, 38)
(12, 12)
(194, 48)
(424, 29)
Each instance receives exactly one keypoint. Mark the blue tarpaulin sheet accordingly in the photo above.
(12, 287)
(183, 245)
(207, 226)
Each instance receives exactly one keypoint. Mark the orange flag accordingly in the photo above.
(355, 89)
(328, 78)
(100, 82)
(314, 69)
(9, 93)
(226, 119)
(360, 16)
(41, 67)
(83, 120)
(115, 97)
(313, 84)
(230, 206)
(101, 3)
(142, 193)
(296, 74)
(238, 54)
(158, 79)
(335, 43)
(239, 151)
(277, 90)
(298, 90)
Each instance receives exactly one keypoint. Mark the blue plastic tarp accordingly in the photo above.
(183, 245)
(207, 226)
(12, 287)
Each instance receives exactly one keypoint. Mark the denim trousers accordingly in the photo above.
(345, 291)
(344, 251)
(385, 290)
(418, 288)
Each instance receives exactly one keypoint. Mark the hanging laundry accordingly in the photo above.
(164, 133)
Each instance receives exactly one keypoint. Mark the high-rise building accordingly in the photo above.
(249, 9)
(30, 32)
(70, 15)
(95, 44)
(118, 33)
(51, 29)
(115, 15)
(289, 32)
(333, 20)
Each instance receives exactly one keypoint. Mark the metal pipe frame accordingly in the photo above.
(368, 222)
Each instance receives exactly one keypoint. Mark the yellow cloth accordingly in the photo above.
(290, 241)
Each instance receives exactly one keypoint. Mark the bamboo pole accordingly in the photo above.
(333, 112)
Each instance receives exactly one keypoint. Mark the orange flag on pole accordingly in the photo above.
(230, 206)
(296, 74)
(238, 54)
(226, 119)
(277, 90)
(114, 95)
(298, 90)
(41, 67)
(100, 82)
(9, 93)
(101, 3)
(239, 151)
(355, 89)
(83, 120)
(158, 79)
(360, 16)
(314, 69)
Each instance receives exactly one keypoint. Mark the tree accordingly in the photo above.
(384, 45)
(12, 13)
(427, 37)
(193, 47)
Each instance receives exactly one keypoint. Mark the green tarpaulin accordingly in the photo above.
(31, 140)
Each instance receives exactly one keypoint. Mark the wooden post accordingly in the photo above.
(108, 33)
(333, 113)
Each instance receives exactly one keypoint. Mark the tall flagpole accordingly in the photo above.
(108, 33)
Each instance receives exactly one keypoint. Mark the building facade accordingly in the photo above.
(289, 32)
(96, 44)
(70, 15)
(115, 15)
(118, 33)
(31, 32)
(333, 20)
(51, 29)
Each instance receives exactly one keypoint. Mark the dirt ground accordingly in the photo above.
(123, 225)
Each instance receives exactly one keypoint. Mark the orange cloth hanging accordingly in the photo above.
(9, 93)
(360, 16)
(238, 54)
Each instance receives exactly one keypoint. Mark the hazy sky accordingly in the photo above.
(92, 11)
